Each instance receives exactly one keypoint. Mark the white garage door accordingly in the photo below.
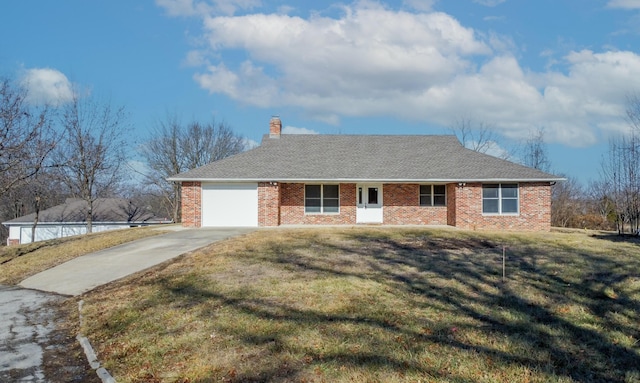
(230, 204)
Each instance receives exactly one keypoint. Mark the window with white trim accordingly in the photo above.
(321, 199)
(500, 199)
(433, 195)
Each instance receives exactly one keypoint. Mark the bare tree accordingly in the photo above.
(479, 137)
(535, 152)
(175, 148)
(611, 186)
(92, 150)
(633, 111)
(26, 137)
(205, 143)
(567, 203)
(632, 164)
(601, 203)
(163, 155)
(619, 173)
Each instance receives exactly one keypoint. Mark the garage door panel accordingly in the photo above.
(230, 204)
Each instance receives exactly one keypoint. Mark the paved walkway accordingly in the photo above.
(90, 271)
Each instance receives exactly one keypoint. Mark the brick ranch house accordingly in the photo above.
(365, 179)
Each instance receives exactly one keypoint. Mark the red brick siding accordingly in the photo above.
(451, 204)
(283, 204)
(535, 209)
(12, 241)
(292, 207)
(268, 204)
(402, 207)
(191, 204)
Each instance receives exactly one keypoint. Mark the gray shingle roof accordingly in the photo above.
(425, 158)
(105, 210)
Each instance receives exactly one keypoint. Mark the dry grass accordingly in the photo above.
(378, 305)
(23, 261)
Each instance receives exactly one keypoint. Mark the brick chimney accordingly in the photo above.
(275, 127)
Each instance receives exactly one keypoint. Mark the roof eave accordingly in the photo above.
(365, 180)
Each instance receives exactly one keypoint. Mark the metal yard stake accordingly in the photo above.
(504, 256)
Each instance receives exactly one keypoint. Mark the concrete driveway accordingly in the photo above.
(90, 271)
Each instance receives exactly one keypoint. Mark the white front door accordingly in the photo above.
(369, 203)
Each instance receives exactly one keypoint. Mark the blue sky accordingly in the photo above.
(380, 67)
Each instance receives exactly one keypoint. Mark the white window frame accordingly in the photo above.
(500, 199)
(321, 200)
(432, 195)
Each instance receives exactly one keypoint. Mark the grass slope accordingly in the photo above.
(378, 305)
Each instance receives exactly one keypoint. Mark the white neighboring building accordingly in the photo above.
(70, 219)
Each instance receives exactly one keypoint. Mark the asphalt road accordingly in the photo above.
(26, 322)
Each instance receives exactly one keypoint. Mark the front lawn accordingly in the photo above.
(378, 305)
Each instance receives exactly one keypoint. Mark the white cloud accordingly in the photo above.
(493, 18)
(285, 9)
(229, 7)
(624, 4)
(177, 7)
(492, 149)
(248, 84)
(419, 66)
(195, 7)
(47, 86)
(294, 130)
(195, 58)
(573, 107)
(250, 144)
(351, 63)
(420, 5)
(489, 3)
(501, 43)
